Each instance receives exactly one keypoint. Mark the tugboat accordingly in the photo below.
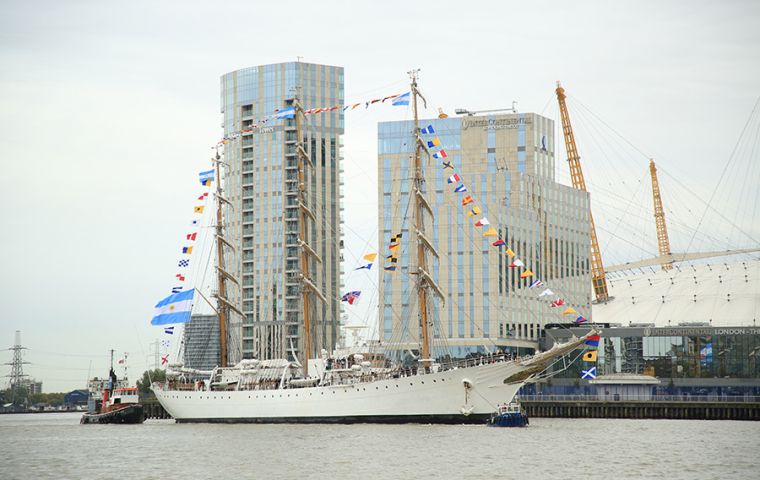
(119, 403)
(509, 415)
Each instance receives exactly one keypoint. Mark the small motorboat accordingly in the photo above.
(509, 415)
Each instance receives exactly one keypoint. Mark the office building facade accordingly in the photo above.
(201, 342)
(262, 221)
(507, 164)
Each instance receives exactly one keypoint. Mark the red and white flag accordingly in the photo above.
(191, 236)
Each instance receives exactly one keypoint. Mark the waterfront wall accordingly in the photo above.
(154, 410)
(686, 410)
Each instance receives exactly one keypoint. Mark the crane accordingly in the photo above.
(598, 278)
(663, 243)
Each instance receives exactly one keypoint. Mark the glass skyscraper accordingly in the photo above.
(261, 220)
(507, 164)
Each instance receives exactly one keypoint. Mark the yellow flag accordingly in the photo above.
(491, 232)
(589, 356)
(394, 248)
(526, 274)
(510, 252)
(474, 211)
(569, 311)
(198, 209)
(370, 257)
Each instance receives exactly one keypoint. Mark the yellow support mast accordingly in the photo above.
(598, 278)
(663, 243)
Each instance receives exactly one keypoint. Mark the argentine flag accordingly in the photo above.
(174, 308)
(288, 112)
(402, 99)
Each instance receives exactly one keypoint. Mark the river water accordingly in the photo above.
(54, 445)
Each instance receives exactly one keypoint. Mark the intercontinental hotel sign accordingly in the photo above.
(496, 124)
(697, 331)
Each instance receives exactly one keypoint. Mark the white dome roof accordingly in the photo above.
(721, 295)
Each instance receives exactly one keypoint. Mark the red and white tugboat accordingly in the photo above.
(113, 401)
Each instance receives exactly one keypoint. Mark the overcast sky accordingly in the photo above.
(108, 110)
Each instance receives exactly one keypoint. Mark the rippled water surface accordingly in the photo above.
(55, 446)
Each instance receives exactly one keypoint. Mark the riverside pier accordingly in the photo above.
(666, 407)
(581, 406)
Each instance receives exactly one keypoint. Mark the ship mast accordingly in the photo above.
(424, 280)
(223, 304)
(307, 286)
(221, 285)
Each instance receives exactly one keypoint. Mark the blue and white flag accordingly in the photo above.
(427, 130)
(175, 308)
(183, 263)
(590, 373)
(460, 188)
(206, 177)
(288, 112)
(169, 330)
(402, 99)
(165, 343)
(176, 289)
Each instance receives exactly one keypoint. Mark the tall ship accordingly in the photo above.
(344, 386)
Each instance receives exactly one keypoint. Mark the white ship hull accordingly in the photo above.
(431, 398)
